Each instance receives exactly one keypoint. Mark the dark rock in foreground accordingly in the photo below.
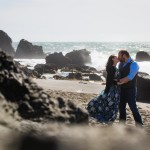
(79, 57)
(31, 101)
(6, 43)
(143, 87)
(26, 50)
(142, 56)
(82, 138)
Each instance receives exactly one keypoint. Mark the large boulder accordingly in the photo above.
(58, 59)
(58, 137)
(6, 43)
(142, 56)
(143, 87)
(26, 50)
(30, 100)
(79, 57)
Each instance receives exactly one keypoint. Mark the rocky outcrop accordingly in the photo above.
(6, 43)
(46, 68)
(77, 76)
(95, 77)
(142, 56)
(28, 72)
(31, 101)
(76, 58)
(143, 87)
(26, 50)
(79, 68)
(58, 59)
(85, 69)
(79, 57)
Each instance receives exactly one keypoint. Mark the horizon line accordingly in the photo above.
(86, 41)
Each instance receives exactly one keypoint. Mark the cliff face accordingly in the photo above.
(6, 43)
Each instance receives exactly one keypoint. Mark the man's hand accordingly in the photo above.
(119, 83)
(123, 80)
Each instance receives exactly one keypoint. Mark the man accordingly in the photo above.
(128, 72)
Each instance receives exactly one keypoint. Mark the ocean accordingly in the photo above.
(99, 51)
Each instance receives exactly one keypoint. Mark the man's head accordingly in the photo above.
(123, 55)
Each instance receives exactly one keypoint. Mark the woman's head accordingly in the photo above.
(112, 61)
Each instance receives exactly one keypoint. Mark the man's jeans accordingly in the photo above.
(128, 95)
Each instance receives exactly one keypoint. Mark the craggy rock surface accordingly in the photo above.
(58, 59)
(79, 57)
(28, 72)
(143, 87)
(6, 43)
(46, 68)
(142, 56)
(25, 49)
(31, 101)
(75, 58)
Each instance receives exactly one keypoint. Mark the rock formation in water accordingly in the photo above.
(58, 59)
(26, 50)
(142, 56)
(6, 43)
(79, 57)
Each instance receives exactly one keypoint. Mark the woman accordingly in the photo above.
(105, 106)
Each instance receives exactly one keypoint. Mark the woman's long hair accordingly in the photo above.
(109, 63)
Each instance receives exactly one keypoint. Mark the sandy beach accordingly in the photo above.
(81, 92)
(71, 85)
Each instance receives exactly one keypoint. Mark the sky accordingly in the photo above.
(76, 20)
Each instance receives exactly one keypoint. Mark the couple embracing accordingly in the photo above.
(121, 89)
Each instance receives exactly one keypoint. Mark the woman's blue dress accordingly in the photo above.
(104, 107)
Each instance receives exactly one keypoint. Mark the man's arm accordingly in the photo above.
(134, 68)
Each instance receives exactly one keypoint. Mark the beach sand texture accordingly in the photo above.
(81, 92)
